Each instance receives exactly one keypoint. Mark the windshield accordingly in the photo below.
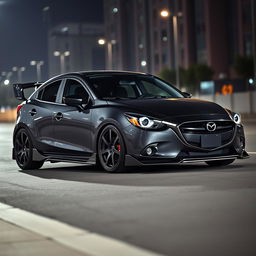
(131, 87)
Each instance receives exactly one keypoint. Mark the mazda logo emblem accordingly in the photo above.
(211, 126)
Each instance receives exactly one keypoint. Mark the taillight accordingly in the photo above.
(19, 107)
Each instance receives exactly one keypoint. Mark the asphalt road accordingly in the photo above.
(175, 210)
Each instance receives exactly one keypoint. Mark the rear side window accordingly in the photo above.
(49, 93)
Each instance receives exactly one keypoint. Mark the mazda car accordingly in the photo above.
(116, 119)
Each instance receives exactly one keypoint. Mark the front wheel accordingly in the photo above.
(111, 149)
(220, 162)
(23, 151)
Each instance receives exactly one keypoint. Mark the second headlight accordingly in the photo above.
(144, 122)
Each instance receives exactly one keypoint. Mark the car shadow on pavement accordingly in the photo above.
(133, 176)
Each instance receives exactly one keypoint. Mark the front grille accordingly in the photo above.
(197, 135)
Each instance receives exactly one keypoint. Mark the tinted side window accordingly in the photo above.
(49, 93)
(73, 89)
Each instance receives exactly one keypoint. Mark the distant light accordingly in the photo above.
(141, 46)
(46, 8)
(165, 38)
(207, 87)
(222, 75)
(101, 41)
(115, 10)
(250, 81)
(113, 41)
(14, 69)
(143, 63)
(2, 110)
(165, 13)
(6, 82)
(56, 53)
(64, 29)
(66, 53)
(34, 63)
(22, 69)
(4, 73)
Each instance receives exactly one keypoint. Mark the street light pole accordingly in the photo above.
(110, 56)
(38, 65)
(109, 44)
(19, 71)
(176, 47)
(62, 59)
(253, 7)
(166, 14)
(62, 63)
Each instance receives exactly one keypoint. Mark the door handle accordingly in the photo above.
(58, 116)
(32, 112)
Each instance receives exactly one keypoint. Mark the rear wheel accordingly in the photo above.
(111, 149)
(23, 151)
(220, 162)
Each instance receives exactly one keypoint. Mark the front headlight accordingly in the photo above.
(237, 118)
(234, 116)
(144, 122)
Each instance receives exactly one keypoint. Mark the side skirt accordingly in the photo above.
(64, 158)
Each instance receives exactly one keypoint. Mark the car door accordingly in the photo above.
(72, 127)
(41, 109)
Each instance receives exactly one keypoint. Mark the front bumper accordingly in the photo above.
(132, 161)
(172, 148)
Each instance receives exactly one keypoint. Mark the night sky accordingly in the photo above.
(23, 29)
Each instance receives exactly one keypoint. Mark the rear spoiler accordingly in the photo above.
(19, 89)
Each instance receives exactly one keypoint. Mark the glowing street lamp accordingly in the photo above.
(101, 41)
(165, 13)
(143, 63)
(6, 82)
(7, 76)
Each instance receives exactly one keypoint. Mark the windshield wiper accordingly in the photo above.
(118, 98)
(153, 97)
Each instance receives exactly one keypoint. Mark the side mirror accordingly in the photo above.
(76, 102)
(73, 102)
(187, 95)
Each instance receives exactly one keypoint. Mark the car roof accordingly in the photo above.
(101, 72)
(98, 72)
(84, 74)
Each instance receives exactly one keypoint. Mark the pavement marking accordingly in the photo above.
(79, 239)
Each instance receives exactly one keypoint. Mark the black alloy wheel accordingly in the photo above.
(23, 151)
(111, 149)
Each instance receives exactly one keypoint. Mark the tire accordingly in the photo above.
(111, 150)
(23, 150)
(220, 162)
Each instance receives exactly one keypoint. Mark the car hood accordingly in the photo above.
(175, 109)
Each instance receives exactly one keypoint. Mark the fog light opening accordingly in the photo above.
(240, 145)
(149, 151)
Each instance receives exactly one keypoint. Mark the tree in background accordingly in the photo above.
(169, 75)
(244, 66)
(202, 72)
(190, 77)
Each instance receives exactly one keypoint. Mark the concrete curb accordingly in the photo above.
(79, 239)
